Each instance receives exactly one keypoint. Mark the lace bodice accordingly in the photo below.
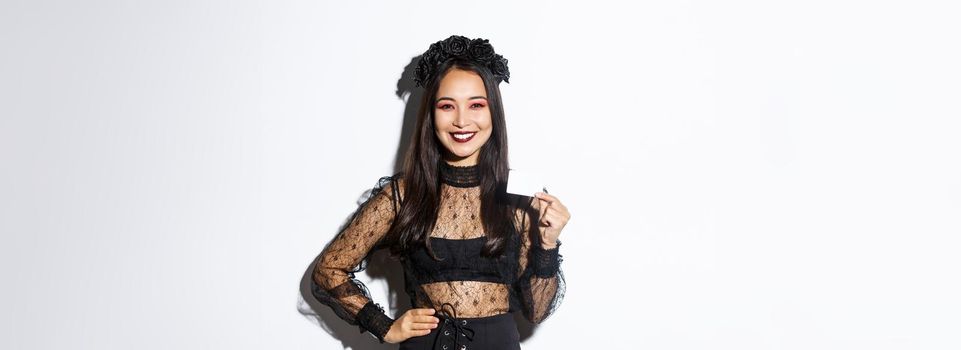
(525, 278)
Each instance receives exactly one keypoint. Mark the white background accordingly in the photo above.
(741, 174)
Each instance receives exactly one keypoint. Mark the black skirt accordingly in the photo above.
(494, 332)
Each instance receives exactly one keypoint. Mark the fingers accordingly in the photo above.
(551, 200)
(425, 319)
(422, 326)
(409, 329)
(421, 320)
(545, 196)
(413, 323)
(542, 209)
(423, 311)
(552, 212)
(549, 203)
(419, 333)
(557, 218)
(545, 220)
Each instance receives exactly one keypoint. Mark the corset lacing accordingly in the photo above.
(452, 324)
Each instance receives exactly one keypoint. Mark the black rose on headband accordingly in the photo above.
(477, 50)
(499, 68)
(481, 50)
(456, 46)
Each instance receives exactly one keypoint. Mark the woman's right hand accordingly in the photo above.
(413, 323)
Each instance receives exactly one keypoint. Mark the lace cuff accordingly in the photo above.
(546, 262)
(372, 318)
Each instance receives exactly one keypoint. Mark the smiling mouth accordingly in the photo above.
(462, 136)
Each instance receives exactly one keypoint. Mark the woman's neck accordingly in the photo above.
(459, 176)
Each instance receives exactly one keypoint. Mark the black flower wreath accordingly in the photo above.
(456, 46)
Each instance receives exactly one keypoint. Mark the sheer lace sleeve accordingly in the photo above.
(333, 277)
(541, 284)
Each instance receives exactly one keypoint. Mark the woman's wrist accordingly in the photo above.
(546, 261)
(373, 319)
(551, 245)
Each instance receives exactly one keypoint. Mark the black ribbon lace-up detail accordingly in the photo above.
(459, 176)
(453, 327)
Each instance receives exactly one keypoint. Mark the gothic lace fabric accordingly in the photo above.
(526, 278)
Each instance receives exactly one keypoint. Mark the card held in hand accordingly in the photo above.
(524, 182)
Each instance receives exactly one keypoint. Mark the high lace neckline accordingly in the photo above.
(459, 176)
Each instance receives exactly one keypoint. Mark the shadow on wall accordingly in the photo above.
(381, 265)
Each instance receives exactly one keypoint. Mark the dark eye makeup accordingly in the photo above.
(475, 105)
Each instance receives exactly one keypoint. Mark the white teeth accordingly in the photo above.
(463, 136)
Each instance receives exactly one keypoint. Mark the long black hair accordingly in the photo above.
(418, 211)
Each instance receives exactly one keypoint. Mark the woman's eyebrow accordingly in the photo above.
(451, 99)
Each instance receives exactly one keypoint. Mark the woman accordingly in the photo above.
(468, 249)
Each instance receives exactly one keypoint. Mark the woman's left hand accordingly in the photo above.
(554, 216)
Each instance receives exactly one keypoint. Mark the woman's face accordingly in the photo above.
(462, 117)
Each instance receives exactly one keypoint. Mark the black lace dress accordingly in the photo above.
(462, 286)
